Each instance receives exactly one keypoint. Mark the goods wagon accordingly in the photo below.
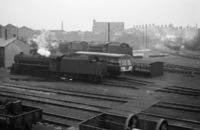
(15, 116)
(116, 63)
(106, 121)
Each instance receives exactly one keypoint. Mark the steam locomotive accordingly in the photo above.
(110, 47)
(75, 67)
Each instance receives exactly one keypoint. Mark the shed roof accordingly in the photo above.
(4, 42)
(100, 54)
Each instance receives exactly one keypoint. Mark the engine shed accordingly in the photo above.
(146, 67)
(9, 48)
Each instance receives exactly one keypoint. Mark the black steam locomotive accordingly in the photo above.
(71, 67)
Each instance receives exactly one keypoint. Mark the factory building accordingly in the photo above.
(101, 27)
(9, 48)
(11, 31)
(25, 32)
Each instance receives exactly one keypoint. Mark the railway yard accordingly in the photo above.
(65, 103)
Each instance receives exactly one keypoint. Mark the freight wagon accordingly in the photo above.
(15, 116)
(106, 121)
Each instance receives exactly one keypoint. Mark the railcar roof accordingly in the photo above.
(100, 54)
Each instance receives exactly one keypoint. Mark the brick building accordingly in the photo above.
(100, 27)
(25, 32)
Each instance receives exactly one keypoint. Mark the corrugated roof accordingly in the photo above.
(4, 42)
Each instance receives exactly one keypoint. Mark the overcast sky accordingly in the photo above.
(79, 14)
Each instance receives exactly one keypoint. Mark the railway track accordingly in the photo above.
(179, 106)
(176, 114)
(71, 92)
(126, 82)
(174, 123)
(133, 80)
(72, 113)
(52, 115)
(181, 69)
(186, 55)
(119, 84)
(181, 91)
(90, 100)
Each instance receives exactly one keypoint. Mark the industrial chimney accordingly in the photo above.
(62, 26)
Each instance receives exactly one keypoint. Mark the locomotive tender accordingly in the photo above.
(76, 67)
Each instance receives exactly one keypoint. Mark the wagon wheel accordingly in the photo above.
(28, 126)
(131, 122)
(162, 125)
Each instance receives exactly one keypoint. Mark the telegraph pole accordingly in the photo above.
(146, 36)
(108, 31)
(143, 35)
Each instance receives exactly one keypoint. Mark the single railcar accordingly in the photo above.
(116, 63)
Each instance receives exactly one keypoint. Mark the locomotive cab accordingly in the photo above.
(54, 62)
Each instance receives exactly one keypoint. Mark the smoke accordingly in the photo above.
(46, 43)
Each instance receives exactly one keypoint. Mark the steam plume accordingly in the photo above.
(46, 42)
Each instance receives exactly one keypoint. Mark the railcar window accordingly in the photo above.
(123, 62)
(128, 62)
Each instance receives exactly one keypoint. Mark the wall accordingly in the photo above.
(25, 33)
